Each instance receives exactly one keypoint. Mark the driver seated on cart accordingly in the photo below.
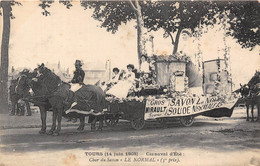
(78, 78)
(79, 74)
(77, 81)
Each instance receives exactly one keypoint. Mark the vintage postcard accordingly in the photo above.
(129, 83)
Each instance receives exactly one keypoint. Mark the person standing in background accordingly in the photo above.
(13, 98)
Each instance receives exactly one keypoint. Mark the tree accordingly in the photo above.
(6, 6)
(174, 16)
(243, 19)
(113, 13)
(45, 4)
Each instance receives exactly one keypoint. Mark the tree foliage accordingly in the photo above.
(172, 16)
(46, 4)
(111, 14)
(244, 21)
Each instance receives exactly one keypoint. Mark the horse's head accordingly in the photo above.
(47, 81)
(244, 90)
(40, 70)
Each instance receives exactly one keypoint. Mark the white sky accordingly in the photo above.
(72, 34)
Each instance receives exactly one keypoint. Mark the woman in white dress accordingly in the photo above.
(121, 89)
(112, 81)
(144, 65)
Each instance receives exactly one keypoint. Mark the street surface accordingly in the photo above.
(209, 141)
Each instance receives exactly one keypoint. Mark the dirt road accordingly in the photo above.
(227, 141)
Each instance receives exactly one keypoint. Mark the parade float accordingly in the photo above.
(167, 93)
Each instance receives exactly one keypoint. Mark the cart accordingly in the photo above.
(132, 111)
(163, 110)
(170, 100)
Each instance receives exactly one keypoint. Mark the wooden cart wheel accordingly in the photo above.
(138, 124)
(187, 121)
(111, 121)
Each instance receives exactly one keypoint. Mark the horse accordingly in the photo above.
(254, 88)
(51, 94)
(251, 94)
(27, 80)
(248, 99)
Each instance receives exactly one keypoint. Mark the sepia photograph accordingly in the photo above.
(129, 82)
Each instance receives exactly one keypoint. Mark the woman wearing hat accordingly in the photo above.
(120, 90)
(79, 74)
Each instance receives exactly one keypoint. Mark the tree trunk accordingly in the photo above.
(171, 37)
(176, 43)
(140, 42)
(140, 30)
(6, 6)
